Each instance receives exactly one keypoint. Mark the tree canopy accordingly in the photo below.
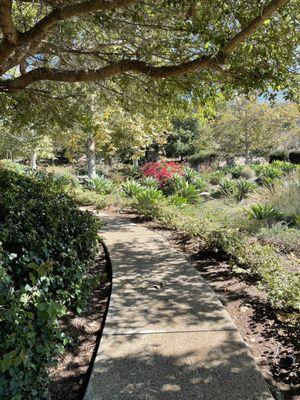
(247, 127)
(197, 46)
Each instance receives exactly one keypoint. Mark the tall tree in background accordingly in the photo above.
(246, 127)
(181, 141)
(195, 47)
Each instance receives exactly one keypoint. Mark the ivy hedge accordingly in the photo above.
(46, 248)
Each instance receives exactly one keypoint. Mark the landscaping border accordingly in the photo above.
(99, 334)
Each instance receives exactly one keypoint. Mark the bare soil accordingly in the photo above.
(69, 379)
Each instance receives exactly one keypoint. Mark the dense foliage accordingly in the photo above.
(161, 171)
(194, 47)
(46, 247)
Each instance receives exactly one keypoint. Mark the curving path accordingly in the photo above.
(166, 336)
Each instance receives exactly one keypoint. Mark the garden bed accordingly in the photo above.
(70, 378)
(274, 344)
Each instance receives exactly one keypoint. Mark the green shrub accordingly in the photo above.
(283, 195)
(189, 192)
(264, 212)
(65, 179)
(242, 189)
(174, 184)
(285, 238)
(149, 182)
(236, 171)
(147, 201)
(200, 184)
(47, 245)
(215, 177)
(132, 188)
(190, 174)
(226, 187)
(101, 184)
(12, 166)
(270, 171)
(178, 201)
(87, 197)
(285, 167)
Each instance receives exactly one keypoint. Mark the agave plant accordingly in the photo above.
(199, 183)
(272, 172)
(174, 184)
(132, 188)
(149, 182)
(236, 171)
(190, 174)
(101, 184)
(178, 201)
(243, 188)
(264, 212)
(146, 202)
(189, 192)
(226, 187)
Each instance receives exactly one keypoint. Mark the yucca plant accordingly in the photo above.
(264, 212)
(147, 201)
(132, 188)
(101, 184)
(215, 177)
(149, 182)
(242, 189)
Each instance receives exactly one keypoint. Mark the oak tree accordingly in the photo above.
(195, 46)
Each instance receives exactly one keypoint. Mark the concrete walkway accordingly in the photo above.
(166, 336)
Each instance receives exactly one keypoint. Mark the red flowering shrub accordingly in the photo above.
(162, 171)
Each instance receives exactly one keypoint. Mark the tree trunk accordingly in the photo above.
(33, 159)
(9, 155)
(91, 157)
(135, 163)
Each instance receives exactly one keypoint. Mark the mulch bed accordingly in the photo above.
(69, 379)
(274, 344)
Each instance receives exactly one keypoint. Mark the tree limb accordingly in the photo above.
(48, 23)
(6, 22)
(85, 75)
(253, 26)
(127, 65)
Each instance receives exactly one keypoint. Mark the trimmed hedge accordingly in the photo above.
(46, 246)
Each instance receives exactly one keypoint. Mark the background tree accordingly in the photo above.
(181, 141)
(246, 127)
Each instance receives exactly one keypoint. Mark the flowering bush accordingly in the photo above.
(162, 171)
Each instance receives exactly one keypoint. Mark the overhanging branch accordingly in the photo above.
(253, 26)
(6, 23)
(127, 65)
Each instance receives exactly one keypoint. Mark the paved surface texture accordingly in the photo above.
(166, 336)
